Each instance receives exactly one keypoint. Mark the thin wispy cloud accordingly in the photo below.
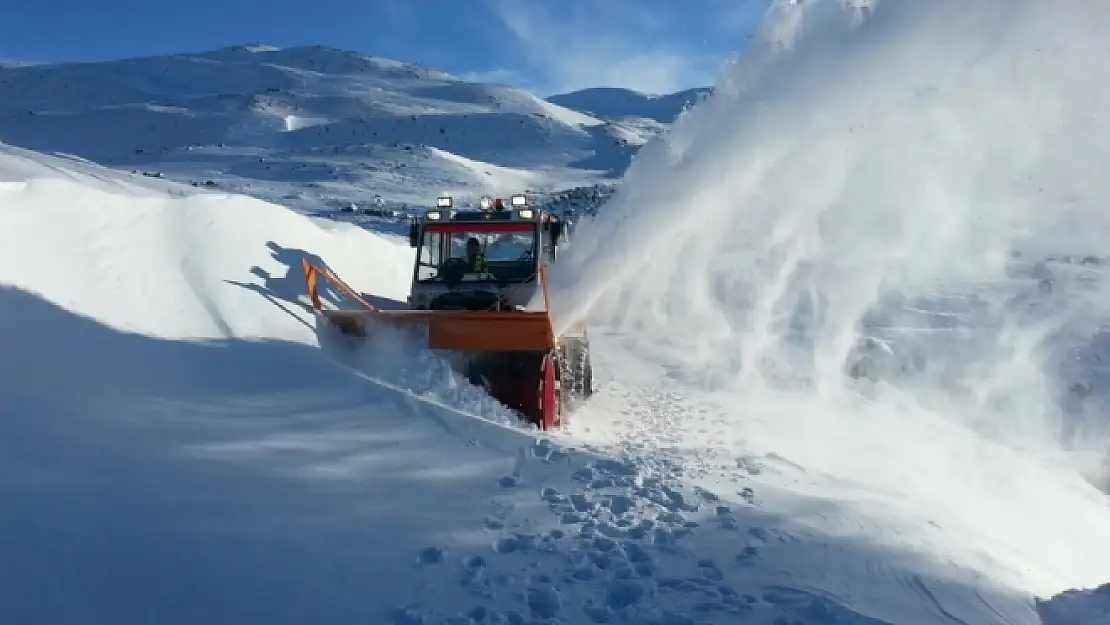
(654, 47)
(17, 62)
(502, 76)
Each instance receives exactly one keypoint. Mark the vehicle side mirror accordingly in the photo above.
(414, 234)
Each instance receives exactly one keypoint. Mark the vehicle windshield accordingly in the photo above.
(477, 256)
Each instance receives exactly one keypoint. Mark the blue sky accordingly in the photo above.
(549, 46)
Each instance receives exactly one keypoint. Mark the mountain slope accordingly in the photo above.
(313, 127)
(615, 103)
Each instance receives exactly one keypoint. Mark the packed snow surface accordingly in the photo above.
(181, 441)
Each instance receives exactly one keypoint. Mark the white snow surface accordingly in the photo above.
(182, 442)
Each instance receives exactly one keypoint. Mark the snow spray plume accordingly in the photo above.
(901, 169)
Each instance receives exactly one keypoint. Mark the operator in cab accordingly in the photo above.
(475, 260)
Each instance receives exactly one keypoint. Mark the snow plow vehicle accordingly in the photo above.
(479, 293)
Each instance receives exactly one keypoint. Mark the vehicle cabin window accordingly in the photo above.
(428, 256)
(510, 256)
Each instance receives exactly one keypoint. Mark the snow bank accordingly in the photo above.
(904, 170)
(160, 263)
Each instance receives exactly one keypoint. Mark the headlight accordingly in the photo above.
(526, 213)
(433, 215)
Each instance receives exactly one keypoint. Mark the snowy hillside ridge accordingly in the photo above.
(615, 103)
(156, 243)
(314, 127)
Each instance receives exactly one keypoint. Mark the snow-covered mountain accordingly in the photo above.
(614, 103)
(182, 443)
(313, 127)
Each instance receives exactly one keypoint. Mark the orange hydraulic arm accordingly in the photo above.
(310, 273)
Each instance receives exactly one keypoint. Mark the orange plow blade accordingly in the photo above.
(490, 331)
(457, 330)
(493, 331)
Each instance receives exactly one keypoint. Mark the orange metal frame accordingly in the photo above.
(447, 330)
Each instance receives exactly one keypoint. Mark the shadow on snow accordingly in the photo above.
(290, 290)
